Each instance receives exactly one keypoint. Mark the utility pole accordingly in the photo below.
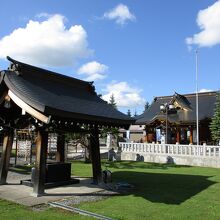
(166, 109)
(197, 100)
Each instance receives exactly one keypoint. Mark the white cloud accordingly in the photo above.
(208, 21)
(124, 94)
(120, 14)
(43, 15)
(47, 42)
(93, 70)
(205, 90)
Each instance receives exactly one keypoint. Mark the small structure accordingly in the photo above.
(177, 121)
(133, 134)
(49, 102)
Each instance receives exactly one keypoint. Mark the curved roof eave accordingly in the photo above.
(39, 106)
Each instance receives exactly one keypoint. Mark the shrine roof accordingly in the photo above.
(185, 111)
(59, 95)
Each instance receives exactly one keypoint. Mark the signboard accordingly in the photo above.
(158, 135)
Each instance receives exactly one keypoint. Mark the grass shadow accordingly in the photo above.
(139, 165)
(164, 188)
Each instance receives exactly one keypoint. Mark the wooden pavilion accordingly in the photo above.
(51, 102)
(180, 119)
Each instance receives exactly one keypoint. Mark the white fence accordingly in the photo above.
(194, 155)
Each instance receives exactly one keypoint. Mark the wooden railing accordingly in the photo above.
(171, 149)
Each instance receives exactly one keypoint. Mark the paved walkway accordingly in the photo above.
(21, 194)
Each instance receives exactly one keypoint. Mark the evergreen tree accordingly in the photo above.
(135, 113)
(147, 105)
(215, 123)
(129, 112)
(112, 101)
(113, 131)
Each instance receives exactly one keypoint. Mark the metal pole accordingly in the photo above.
(197, 101)
(166, 108)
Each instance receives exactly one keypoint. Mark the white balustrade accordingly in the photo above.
(171, 149)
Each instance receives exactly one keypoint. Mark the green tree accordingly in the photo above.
(113, 131)
(146, 106)
(129, 112)
(80, 138)
(135, 114)
(112, 101)
(215, 123)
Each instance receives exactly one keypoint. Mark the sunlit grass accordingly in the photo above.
(160, 191)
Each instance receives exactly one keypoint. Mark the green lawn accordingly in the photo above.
(12, 211)
(160, 192)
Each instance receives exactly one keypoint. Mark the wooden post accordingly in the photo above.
(60, 154)
(178, 135)
(16, 150)
(95, 154)
(6, 153)
(40, 164)
(191, 135)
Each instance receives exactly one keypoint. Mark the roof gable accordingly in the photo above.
(181, 102)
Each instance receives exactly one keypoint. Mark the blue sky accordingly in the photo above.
(133, 49)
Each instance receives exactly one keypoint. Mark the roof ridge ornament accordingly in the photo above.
(15, 67)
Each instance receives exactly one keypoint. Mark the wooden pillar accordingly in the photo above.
(60, 154)
(40, 164)
(95, 154)
(6, 153)
(178, 135)
(191, 136)
(16, 150)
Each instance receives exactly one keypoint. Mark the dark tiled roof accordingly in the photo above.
(206, 108)
(58, 95)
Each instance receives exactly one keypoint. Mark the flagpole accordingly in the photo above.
(197, 100)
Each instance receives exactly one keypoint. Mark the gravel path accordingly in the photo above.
(76, 200)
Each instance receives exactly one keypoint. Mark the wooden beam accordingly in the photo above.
(95, 155)
(40, 164)
(27, 108)
(6, 153)
(60, 154)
